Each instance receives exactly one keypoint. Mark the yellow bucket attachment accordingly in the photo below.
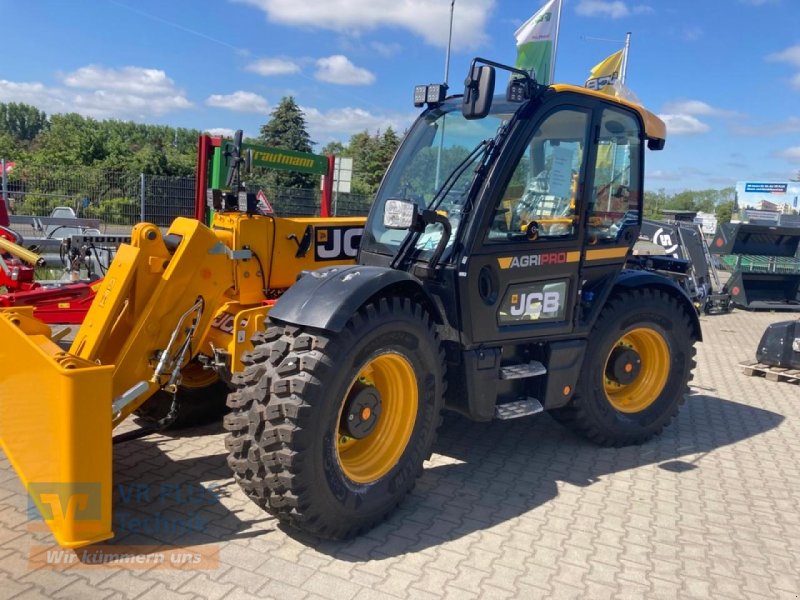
(55, 428)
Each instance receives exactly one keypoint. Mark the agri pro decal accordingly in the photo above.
(537, 260)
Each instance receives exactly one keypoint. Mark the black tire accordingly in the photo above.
(591, 411)
(286, 417)
(197, 405)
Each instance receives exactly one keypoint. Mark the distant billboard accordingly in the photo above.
(762, 194)
(766, 188)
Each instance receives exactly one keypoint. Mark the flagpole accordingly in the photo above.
(449, 42)
(555, 44)
(624, 73)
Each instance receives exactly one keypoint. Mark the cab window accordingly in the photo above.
(616, 191)
(540, 200)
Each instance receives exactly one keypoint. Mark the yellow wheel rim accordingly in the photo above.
(368, 459)
(645, 388)
(195, 377)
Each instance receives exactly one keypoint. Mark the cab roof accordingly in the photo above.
(654, 128)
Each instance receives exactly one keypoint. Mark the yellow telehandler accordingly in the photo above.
(494, 277)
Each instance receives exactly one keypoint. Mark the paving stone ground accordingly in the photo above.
(519, 509)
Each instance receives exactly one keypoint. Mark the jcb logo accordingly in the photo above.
(60, 502)
(337, 243)
(534, 304)
(665, 241)
(600, 82)
(224, 322)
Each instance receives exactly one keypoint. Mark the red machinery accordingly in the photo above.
(55, 304)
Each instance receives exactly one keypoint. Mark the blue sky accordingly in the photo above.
(724, 74)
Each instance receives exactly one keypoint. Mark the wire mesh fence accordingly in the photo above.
(122, 198)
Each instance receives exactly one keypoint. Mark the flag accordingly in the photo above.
(604, 76)
(536, 42)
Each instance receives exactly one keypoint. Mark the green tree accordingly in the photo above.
(336, 148)
(724, 212)
(22, 121)
(8, 147)
(287, 129)
(653, 203)
(71, 140)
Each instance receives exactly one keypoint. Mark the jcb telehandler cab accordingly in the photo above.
(491, 280)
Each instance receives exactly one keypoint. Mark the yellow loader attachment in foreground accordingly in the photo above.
(195, 295)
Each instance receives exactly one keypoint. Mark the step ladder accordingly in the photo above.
(522, 407)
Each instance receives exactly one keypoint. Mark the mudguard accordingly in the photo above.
(635, 279)
(327, 298)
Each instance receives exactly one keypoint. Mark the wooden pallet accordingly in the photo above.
(757, 369)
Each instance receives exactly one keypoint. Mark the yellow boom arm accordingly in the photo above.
(165, 300)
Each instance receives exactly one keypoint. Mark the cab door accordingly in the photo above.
(521, 278)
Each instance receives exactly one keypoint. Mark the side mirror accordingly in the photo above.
(399, 214)
(478, 92)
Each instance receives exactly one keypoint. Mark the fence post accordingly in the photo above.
(141, 197)
(5, 184)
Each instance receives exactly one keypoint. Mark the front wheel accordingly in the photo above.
(201, 400)
(639, 359)
(328, 430)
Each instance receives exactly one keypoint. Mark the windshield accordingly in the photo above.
(438, 157)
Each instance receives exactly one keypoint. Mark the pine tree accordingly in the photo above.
(287, 129)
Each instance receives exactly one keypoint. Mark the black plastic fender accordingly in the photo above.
(328, 297)
(638, 279)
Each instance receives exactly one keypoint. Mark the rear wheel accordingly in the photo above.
(201, 400)
(328, 431)
(639, 360)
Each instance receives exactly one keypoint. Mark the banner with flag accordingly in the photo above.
(605, 75)
(536, 42)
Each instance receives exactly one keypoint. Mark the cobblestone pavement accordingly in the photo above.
(523, 509)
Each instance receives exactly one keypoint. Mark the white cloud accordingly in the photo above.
(683, 124)
(338, 69)
(692, 33)
(790, 55)
(593, 8)
(790, 125)
(792, 154)
(240, 101)
(697, 108)
(385, 50)
(220, 131)
(102, 93)
(273, 66)
(344, 122)
(133, 80)
(615, 9)
(430, 20)
(662, 175)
